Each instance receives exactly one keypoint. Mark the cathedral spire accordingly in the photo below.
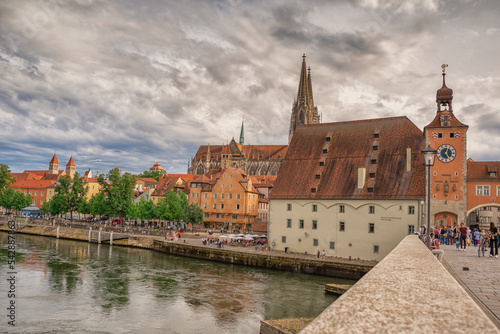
(303, 110)
(242, 134)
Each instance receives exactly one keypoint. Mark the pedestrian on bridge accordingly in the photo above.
(493, 240)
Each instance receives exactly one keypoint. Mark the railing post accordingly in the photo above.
(111, 238)
(57, 236)
(90, 233)
(99, 235)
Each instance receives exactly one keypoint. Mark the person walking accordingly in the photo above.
(463, 237)
(493, 240)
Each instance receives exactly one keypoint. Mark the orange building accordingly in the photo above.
(228, 199)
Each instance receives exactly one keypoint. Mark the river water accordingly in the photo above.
(67, 286)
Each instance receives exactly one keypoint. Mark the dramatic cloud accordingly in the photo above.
(129, 84)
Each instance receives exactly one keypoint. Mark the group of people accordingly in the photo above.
(461, 236)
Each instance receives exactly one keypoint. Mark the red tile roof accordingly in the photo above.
(454, 122)
(146, 179)
(253, 152)
(32, 184)
(351, 147)
(54, 160)
(71, 162)
(480, 170)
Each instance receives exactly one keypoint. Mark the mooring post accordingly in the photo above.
(57, 236)
(99, 235)
(111, 238)
(90, 233)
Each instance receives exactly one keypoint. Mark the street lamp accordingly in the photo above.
(429, 156)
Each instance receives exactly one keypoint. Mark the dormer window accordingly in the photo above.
(325, 151)
(328, 138)
(374, 161)
(375, 147)
(318, 176)
(376, 134)
(493, 174)
(321, 163)
(313, 190)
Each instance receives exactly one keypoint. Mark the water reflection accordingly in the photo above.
(127, 290)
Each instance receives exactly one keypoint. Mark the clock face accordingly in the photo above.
(446, 153)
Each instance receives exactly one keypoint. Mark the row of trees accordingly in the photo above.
(116, 199)
(11, 199)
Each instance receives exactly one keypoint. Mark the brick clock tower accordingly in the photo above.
(448, 136)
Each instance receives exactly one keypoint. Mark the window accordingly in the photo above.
(375, 249)
(341, 209)
(216, 215)
(41, 193)
(325, 151)
(375, 147)
(231, 185)
(342, 226)
(223, 185)
(204, 204)
(315, 208)
(301, 223)
(234, 217)
(206, 215)
(41, 201)
(321, 163)
(197, 195)
(35, 201)
(230, 196)
(50, 192)
(221, 196)
(486, 190)
(498, 190)
(238, 196)
(315, 224)
(332, 245)
(289, 207)
(215, 195)
(371, 228)
(315, 242)
(440, 135)
(452, 134)
(328, 138)
(313, 190)
(237, 206)
(205, 195)
(222, 206)
(411, 210)
(36, 193)
(283, 239)
(215, 206)
(479, 190)
(411, 229)
(372, 175)
(318, 176)
(371, 209)
(289, 223)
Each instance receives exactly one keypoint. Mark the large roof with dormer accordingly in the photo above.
(326, 157)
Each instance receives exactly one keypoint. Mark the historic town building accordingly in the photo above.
(355, 189)
(259, 159)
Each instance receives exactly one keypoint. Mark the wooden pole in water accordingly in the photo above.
(99, 236)
(111, 238)
(57, 236)
(90, 233)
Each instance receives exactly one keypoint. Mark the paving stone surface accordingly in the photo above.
(482, 279)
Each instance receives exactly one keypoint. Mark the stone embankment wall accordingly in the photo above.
(341, 269)
(409, 291)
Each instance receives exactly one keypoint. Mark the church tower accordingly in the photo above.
(70, 168)
(448, 136)
(54, 165)
(303, 110)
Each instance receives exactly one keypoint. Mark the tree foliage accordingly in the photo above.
(69, 194)
(154, 174)
(118, 191)
(5, 178)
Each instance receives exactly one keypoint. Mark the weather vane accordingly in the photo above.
(444, 66)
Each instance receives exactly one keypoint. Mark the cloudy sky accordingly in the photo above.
(130, 83)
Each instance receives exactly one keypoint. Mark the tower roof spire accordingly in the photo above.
(303, 92)
(242, 133)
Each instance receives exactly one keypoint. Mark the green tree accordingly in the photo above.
(119, 192)
(174, 204)
(7, 199)
(133, 211)
(154, 174)
(97, 204)
(20, 200)
(162, 210)
(5, 178)
(147, 209)
(72, 191)
(45, 209)
(58, 205)
(194, 214)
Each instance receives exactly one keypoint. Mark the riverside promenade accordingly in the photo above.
(479, 276)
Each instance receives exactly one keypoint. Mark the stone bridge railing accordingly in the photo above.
(409, 291)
